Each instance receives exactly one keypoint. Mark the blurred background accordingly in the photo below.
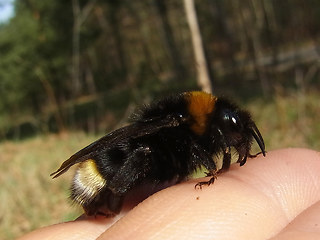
(70, 71)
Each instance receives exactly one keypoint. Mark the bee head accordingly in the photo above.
(233, 127)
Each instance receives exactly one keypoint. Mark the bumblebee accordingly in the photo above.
(167, 140)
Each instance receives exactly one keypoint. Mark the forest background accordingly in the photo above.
(70, 71)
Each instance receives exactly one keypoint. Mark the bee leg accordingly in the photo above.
(92, 210)
(208, 174)
(226, 159)
(255, 155)
(114, 203)
(243, 157)
(243, 160)
(213, 175)
(226, 153)
(106, 204)
(243, 152)
(211, 181)
(104, 214)
(201, 155)
(134, 169)
(207, 162)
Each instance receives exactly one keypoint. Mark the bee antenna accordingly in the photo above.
(257, 136)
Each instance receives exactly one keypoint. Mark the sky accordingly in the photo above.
(6, 10)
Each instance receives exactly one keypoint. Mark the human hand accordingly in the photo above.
(276, 197)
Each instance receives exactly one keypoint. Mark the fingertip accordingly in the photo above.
(265, 194)
(82, 228)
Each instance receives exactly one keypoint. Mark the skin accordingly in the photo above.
(276, 197)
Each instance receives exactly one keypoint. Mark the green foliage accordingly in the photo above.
(34, 49)
(17, 46)
(59, 68)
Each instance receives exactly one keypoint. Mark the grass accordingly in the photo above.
(31, 199)
(289, 120)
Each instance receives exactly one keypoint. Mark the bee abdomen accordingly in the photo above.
(87, 183)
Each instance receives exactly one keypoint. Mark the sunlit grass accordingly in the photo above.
(289, 121)
(31, 199)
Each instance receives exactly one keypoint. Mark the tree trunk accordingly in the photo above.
(202, 65)
(79, 17)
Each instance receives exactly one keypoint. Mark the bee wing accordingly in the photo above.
(112, 139)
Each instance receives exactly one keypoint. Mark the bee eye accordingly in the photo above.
(231, 118)
(234, 120)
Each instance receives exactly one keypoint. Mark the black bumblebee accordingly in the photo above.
(167, 141)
